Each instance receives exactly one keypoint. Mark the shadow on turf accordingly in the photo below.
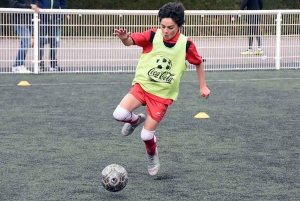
(160, 176)
(116, 196)
(164, 177)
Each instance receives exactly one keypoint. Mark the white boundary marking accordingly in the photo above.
(116, 83)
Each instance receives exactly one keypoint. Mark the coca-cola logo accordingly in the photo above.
(160, 76)
(161, 72)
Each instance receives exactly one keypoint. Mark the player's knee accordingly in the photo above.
(120, 113)
(147, 135)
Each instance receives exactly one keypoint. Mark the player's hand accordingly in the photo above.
(35, 8)
(122, 34)
(205, 92)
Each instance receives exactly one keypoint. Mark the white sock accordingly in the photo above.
(147, 135)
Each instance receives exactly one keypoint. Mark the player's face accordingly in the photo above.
(169, 28)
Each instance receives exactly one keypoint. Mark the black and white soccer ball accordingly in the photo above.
(164, 63)
(114, 177)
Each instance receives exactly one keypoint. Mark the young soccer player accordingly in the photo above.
(158, 73)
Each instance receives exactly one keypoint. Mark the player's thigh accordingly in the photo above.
(130, 103)
(150, 124)
(156, 112)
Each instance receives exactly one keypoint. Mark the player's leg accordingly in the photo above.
(149, 138)
(124, 111)
(156, 111)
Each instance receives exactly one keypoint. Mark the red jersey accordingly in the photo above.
(144, 40)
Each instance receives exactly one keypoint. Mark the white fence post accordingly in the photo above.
(278, 40)
(36, 42)
(1, 27)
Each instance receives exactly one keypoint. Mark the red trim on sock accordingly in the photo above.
(128, 121)
(150, 146)
(134, 122)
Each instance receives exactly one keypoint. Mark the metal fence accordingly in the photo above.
(86, 44)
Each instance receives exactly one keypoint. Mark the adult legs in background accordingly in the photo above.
(43, 33)
(48, 30)
(53, 49)
(57, 39)
(24, 32)
(254, 30)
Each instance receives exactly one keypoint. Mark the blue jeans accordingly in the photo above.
(25, 34)
(48, 29)
(57, 38)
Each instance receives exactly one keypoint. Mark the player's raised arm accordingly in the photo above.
(124, 36)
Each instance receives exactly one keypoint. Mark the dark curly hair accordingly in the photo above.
(174, 10)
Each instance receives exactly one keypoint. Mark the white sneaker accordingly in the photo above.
(248, 52)
(20, 69)
(129, 128)
(52, 69)
(259, 51)
(153, 163)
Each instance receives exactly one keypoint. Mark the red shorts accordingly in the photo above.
(156, 106)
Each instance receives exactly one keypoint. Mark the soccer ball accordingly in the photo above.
(164, 63)
(114, 177)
